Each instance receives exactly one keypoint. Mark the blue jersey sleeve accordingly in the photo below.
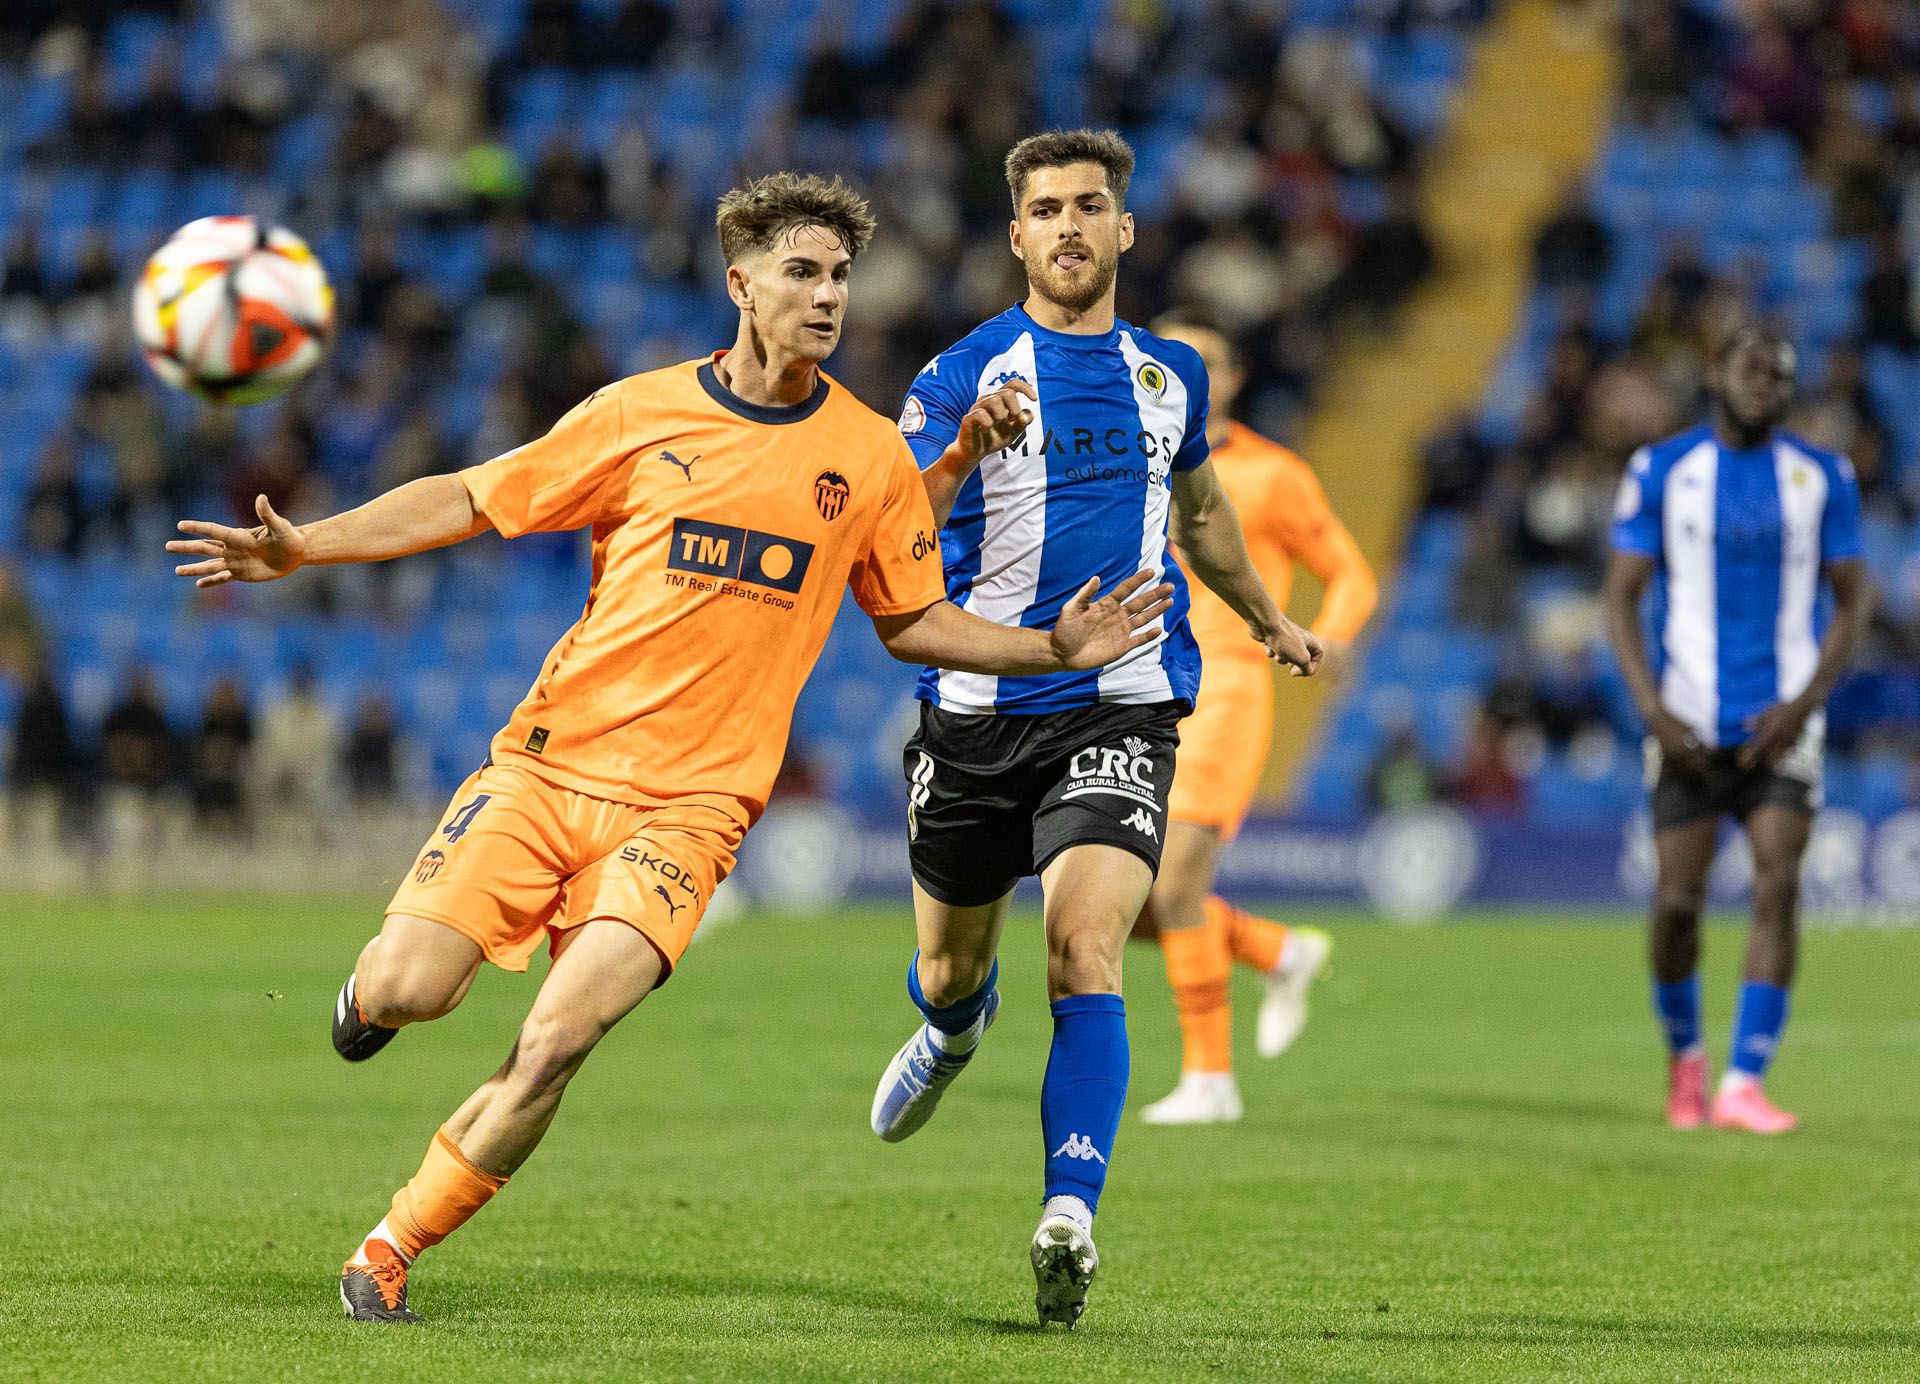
(1636, 508)
(1193, 445)
(930, 418)
(1840, 523)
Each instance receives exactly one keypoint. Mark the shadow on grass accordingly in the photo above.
(1558, 1108)
(1564, 1330)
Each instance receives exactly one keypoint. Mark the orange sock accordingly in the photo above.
(1198, 966)
(1254, 941)
(443, 1194)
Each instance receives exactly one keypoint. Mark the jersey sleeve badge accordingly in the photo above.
(913, 416)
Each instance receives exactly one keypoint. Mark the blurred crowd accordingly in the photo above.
(1539, 507)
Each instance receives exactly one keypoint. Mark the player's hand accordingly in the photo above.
(1679, 746)
(271, 550)
(996, 420)
(1289, 644)
(1772, 733)
(1092, 634)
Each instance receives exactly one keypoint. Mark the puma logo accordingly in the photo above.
(686, 466)
(673, 908)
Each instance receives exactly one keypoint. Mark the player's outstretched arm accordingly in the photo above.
(994, 422)
(1207, 532)
(1089, 633)
(428, 513)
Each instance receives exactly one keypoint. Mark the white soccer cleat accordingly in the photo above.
(1064, 1262)
(919, 1075)
(1283, 1013)
(1200, 1098)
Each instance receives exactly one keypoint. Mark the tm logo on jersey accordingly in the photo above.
(744, 555)
(1081, 1147)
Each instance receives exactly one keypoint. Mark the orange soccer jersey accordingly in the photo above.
(1286, 519)
(723, 533)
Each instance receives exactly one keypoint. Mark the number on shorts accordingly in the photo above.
(457, 827)
(917, 795)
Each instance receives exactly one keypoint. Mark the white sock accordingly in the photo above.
(1072, 1208)
(379, 1232)
(965, 1041)
(1733, 1079)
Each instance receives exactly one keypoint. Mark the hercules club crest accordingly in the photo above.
(831, 493)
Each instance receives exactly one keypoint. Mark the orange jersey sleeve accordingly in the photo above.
(563, 480)
(1313, 535)
(893, 576)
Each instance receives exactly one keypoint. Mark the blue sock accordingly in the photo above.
(1756, 1028)
(1677, 1002)
(1081, 1096)
(957, 1017)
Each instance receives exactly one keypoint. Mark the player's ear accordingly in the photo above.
(740, 287)
(1126, 231)
(1013, 237)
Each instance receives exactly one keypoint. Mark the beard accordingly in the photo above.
(1078, 293)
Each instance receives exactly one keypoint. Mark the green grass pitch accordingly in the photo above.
(1459, 1172)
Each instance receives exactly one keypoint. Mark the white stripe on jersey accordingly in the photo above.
(1140, 676)
(1803, 501)
(1690, 688)
(1014, 498)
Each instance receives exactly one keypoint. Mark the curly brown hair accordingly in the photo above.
(758, 216)
(1058, 148)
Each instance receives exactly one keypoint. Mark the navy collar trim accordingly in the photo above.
(763, 413)
(1083, 340)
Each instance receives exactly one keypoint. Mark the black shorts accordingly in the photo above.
(993, 798)
(1794, 780)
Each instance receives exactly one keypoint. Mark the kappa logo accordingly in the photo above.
(1142, 823)
(429, 866)
(1081, 1147)
(1006, 377)
(830, 494)
(686, 467)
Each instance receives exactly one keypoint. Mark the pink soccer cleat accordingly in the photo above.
(1745, 1106)
(1687, 1091)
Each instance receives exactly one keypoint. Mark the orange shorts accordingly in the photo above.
(1223, 746)
(518, 859)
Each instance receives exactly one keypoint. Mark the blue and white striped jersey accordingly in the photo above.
(1741, 537)
(1084, 492)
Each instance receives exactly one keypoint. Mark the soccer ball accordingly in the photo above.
(233, 310)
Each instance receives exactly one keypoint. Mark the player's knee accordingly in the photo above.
(393, 993)
(1776, 888)
(547, 1054)
(949, 978)
(1083, 962)
(1677, 909)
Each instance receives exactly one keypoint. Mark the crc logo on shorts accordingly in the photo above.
(744, 555)
(1152, 379)
(428, 867)
(830, 494)
(1114, 771)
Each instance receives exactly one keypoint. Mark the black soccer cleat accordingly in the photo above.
(353, 1037)
(376, 1291)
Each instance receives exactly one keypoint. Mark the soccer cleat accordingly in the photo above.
(376, 1291)
(1064, 1262)
(1746, 1106)
(353, 1037)
(1687, 1091)
(918, 1076)
(1283, 1013)
(1200, 1098)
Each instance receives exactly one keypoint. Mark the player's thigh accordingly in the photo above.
(1093, 894)
(958, 938)
(656, 876)
(494, 868)
(1180, 890)
(601, 970)
(416, 965)
(1683, 855)
(1223, 747)
(1778, 833)
(970, 808)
